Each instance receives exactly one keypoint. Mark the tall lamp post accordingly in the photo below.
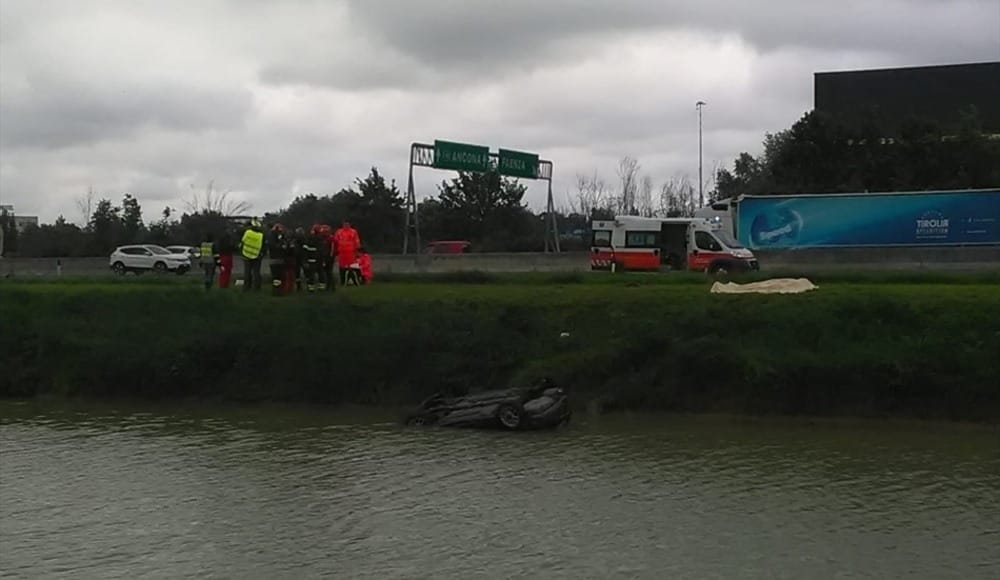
(701, 180)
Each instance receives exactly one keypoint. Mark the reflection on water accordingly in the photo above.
(287, 493)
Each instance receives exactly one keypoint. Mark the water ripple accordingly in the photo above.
(174, 495)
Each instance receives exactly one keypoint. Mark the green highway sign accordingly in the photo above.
(517, 164)
(461, 156)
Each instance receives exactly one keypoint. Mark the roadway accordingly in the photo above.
(804, 261)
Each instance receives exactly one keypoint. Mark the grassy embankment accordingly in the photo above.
(863, 345)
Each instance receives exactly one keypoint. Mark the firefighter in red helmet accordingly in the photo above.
(311, 254)
(278, 246)
(326, 258)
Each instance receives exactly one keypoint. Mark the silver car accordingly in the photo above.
(147, 257)
(192, 252)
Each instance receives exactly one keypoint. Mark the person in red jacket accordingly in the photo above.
(226, 249)
(365, 264)
(346, 242)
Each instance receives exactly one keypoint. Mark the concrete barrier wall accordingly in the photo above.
(520, 262)
(31, 267)
(805, 260)
(381, 264)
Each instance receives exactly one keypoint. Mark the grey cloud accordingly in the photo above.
(51, 114)
(331, 51)
(433, 43)
(273, 99)
(357, 75)
(490, 33)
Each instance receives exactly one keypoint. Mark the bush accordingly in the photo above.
(878, 350)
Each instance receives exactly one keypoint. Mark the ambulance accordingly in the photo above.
(653, 244)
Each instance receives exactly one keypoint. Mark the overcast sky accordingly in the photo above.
(276, 99)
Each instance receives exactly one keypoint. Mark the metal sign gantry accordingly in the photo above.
(476, 158)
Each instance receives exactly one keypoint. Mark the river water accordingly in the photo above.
(126, 492)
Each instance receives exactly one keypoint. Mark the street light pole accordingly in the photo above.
(701, 180)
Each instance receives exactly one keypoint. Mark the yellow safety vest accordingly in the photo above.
(252, 243)
(206, 253)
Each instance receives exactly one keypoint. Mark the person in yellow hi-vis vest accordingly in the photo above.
(208, 255)
(252, 248)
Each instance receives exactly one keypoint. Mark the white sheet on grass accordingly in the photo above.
(775, 286)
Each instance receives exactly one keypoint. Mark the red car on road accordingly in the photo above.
(447, 247)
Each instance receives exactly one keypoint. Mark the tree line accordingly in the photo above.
(818, 154)
(821, 154)
(487, 209)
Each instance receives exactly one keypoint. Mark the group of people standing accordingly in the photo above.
(298, 259)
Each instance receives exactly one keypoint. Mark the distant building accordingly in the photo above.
(23, 221)
(934, 93)
(20, 221)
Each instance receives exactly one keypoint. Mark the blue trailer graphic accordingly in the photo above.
(870, 219)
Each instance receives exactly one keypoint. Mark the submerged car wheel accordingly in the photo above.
(418, 421)
(510, 416)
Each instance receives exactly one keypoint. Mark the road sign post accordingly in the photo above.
(456, 156)
(517, 164)
(461, 156)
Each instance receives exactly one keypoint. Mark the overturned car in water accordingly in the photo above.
(536, 407)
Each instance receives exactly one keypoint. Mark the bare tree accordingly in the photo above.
(628, 174)
(667, 206)
(644, 200)
(214, 201)
(709, 183)
(678, 197)
(85, 203)
(688, 196)
(591, 194)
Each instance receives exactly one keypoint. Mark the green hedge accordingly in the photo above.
(926, 350)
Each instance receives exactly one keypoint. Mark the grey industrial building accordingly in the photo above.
(895, 96)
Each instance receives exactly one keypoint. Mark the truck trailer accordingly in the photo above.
(843, 220)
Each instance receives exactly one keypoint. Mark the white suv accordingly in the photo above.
(141, 258)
